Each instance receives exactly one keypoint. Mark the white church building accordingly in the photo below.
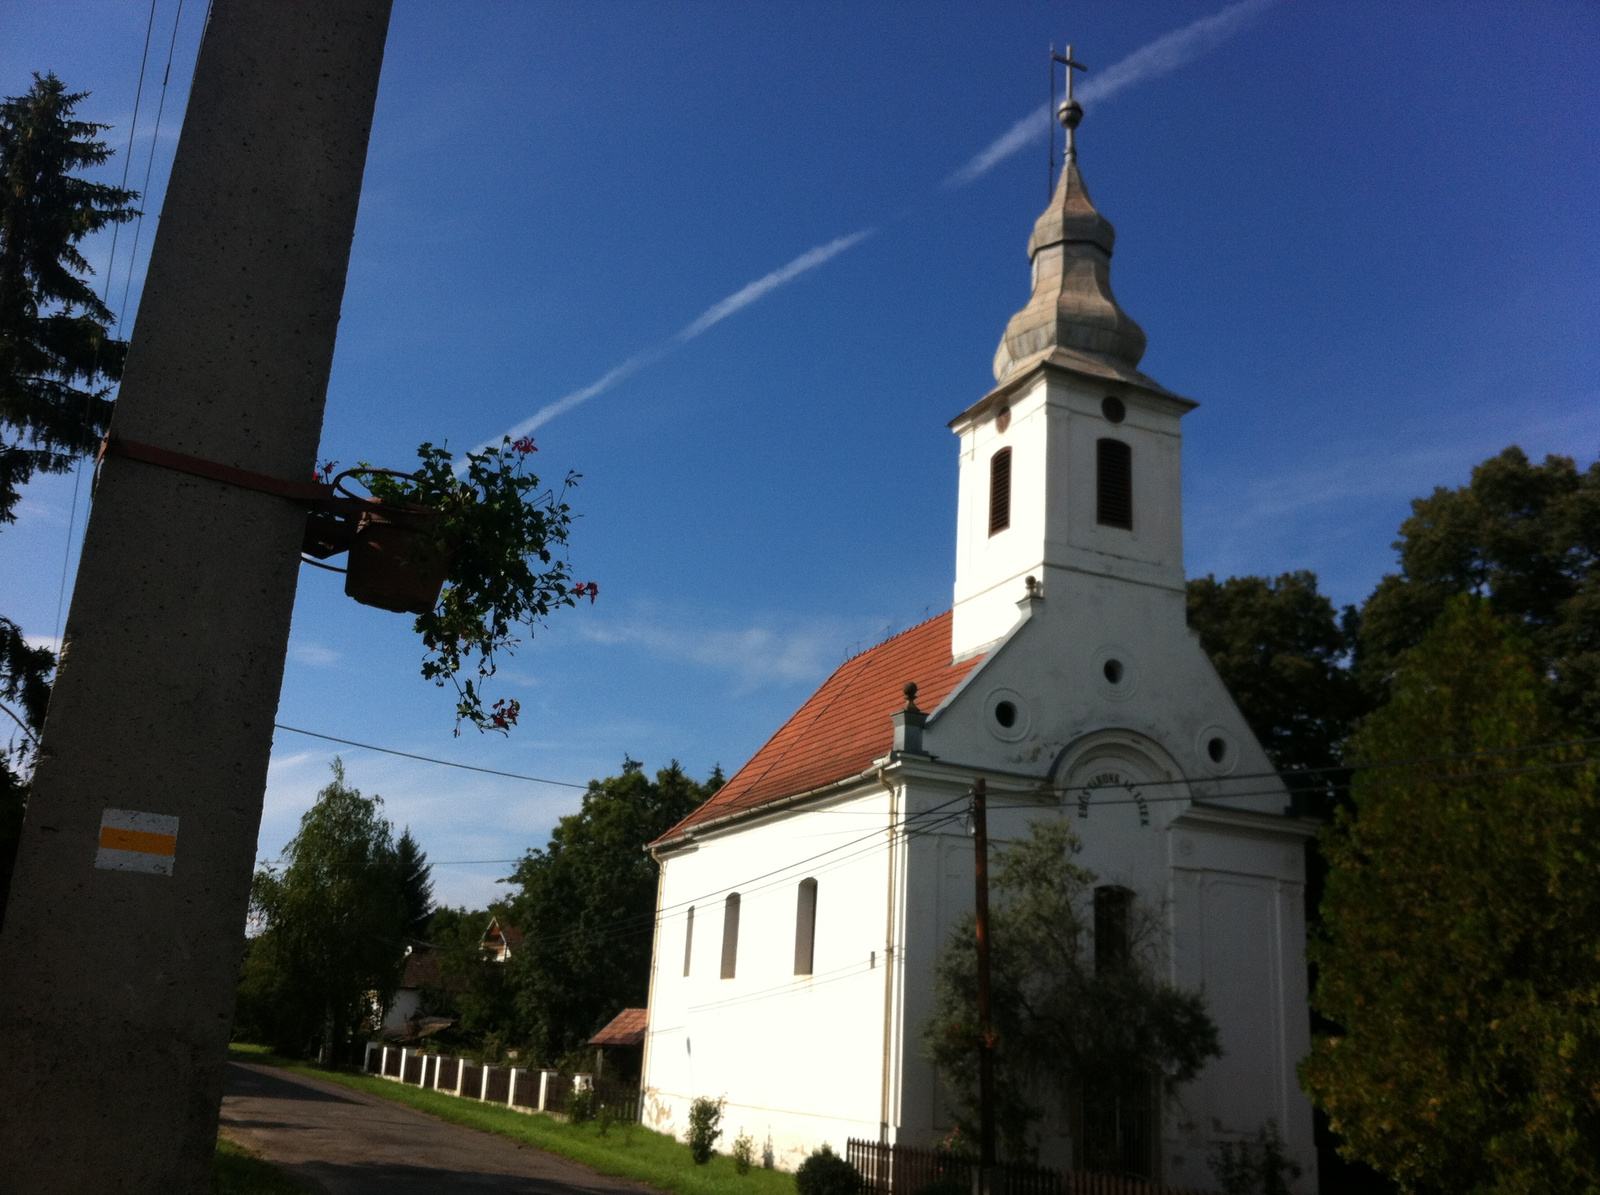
(802, 907)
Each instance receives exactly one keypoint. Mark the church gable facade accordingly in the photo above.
(801, 909)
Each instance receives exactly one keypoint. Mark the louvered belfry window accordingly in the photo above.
(1113, 469)
(1000, 491)
(805, 927)
(730, 935)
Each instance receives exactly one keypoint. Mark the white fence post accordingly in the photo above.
(511, 1089)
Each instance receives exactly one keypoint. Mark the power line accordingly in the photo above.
(149, 166)
(111, 265)
(447, 763)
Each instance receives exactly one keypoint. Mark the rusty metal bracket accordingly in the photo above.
(333, 513)
(311, 492)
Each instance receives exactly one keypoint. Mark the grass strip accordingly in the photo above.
(627, 1151)
(237, 1171)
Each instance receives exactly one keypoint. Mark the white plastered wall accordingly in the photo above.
(800, 1059)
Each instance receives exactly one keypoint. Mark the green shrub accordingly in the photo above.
(826, 1173)
(705, 1117)
(1257, 1167)
(744, 1153)
(604, 1118)
(580, 1106)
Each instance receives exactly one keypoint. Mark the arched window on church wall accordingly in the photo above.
(730, 934)
(1000, 491)
(1113, 475)
(805, 927)
(1113, 909)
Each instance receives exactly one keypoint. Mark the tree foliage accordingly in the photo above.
(57, 359)
(586, 904)
(1460, 954)
(1066, 1025)
(1526, 538)
(24, 693)
(1283, 652)
(57, 355)
(416, 885)
(330, 950)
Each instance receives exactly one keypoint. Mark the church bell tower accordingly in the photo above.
(1070, 466)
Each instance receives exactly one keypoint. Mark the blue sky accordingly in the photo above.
(1364, 236)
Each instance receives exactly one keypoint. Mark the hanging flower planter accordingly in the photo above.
(398, 561)
(470, 552)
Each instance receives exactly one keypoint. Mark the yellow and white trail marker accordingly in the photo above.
(132, 841)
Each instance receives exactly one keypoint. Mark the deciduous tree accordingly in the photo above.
(586, 905)
(1074, 1020)
(332, 918)
(1524, 537)
(1460, 954)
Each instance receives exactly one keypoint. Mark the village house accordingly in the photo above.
(802, 907)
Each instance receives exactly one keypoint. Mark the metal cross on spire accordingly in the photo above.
(1070, 112)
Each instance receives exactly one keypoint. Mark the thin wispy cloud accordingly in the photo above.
(708, 319)
(757, 657)
(1167, 53)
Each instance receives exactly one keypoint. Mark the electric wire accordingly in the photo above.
(448, 763)
(149, 167)
(111, 263)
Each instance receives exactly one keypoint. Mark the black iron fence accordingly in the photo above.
(905, 1170)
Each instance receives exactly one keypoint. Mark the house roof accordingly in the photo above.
(844, 725)
(626, 1029)
(422, 970)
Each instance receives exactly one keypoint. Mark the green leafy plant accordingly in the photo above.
(1258, 1167)
(705, 1119)
(826, 1173)
(504, 537)
(580, 1106)
(604, 1118)
(744, 1153)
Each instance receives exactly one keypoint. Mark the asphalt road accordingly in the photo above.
(351, 1143)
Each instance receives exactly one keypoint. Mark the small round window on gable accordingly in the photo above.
(1006, 715)
(1218, 752)
(1112, 670)
(1113, 409)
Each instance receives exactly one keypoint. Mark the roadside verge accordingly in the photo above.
(626, 1151)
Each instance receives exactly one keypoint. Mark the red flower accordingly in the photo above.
(524, 445)
(586, 587)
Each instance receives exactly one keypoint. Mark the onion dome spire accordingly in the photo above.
(1072, 306)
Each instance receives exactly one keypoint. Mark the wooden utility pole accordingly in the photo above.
(121, 948)
(980, 869)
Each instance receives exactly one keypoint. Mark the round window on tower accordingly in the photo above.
(1113, 409)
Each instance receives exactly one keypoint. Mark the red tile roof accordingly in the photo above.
(845, 725)
(626, 1029)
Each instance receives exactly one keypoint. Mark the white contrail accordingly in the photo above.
(713, 315)
(1165, 54)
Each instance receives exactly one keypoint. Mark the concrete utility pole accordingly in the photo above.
(121, 948)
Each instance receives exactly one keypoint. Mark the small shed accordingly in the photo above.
(624, 1038)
